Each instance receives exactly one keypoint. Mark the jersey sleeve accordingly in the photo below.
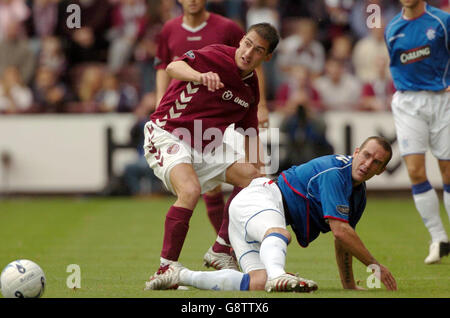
(162, 58)
(199, 60)
(334, 195)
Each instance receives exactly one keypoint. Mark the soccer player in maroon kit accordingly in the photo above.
(212, 88)
(193, 30)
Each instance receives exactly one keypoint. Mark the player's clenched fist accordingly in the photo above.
(211, 80)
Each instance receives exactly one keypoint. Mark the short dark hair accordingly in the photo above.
(268, 33)
(383, 142)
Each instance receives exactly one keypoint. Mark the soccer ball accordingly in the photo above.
(22, 279)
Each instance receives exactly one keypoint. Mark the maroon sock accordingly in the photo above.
(175, 230)
(223, 232)
(214, 208)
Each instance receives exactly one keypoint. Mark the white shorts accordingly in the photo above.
(253, 211)
(422, 121)
(164, 151)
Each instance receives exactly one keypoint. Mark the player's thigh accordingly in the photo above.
(440, 133)
(164, 151)
(444, 166)
(254, 211)
(240, 174)
(411, 124)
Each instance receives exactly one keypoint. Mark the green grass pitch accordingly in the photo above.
(116, 243)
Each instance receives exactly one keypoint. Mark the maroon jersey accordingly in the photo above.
(176, 38)
(186, 102)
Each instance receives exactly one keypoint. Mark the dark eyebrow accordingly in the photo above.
(258, 47)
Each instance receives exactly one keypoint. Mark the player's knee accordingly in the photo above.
(189, 193)
(278, 230)
(416, 172)
(248, 174)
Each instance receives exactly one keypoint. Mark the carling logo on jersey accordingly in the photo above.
(415, 55)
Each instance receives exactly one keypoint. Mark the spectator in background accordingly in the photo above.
(42, 22)
(52, 55)
(263, 11)
(359, 15)
(115, 96)
(377, 93)
(366, 51)
(302, 48)
(341, 50)
(297, 91)
(159, 12)
(128, 24)
(86, 89)
(13, 12)
(266, 11)
(15, 51)
(50, 93)
(88, 43)
(15, 96)
(303, 124)
(338, 19)
(338, 89)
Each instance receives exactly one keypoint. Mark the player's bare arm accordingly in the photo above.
(162, 82)
(344, 260)
(349, 240)
(182, 71)
(263, 111)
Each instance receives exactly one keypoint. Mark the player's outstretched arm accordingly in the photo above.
(182, 71)
(344, 261)
(350, 241)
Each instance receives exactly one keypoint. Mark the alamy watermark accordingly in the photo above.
(73, 20)
(374, 18)
(73, 281)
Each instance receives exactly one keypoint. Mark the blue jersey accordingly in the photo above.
(419, 51)
(318, 190)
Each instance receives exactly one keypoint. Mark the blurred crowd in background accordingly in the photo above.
(327, 59)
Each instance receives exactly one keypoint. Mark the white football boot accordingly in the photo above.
(167, 277)
(219, 260)
(437, 251)
(290, 283)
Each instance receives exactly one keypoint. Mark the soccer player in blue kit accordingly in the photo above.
(418, 41)
(325, 194)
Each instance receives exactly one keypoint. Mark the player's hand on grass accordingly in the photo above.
(387, 279)
(211, 80)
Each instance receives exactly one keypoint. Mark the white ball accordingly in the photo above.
(22, 279)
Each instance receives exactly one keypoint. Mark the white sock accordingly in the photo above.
(447, 203)
(273, 255)
(224, 279)
(427, 203)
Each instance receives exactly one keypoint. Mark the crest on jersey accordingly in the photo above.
(173, 149)
(227, 95)
(343, 209)
(190, 54)
(431, 34)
